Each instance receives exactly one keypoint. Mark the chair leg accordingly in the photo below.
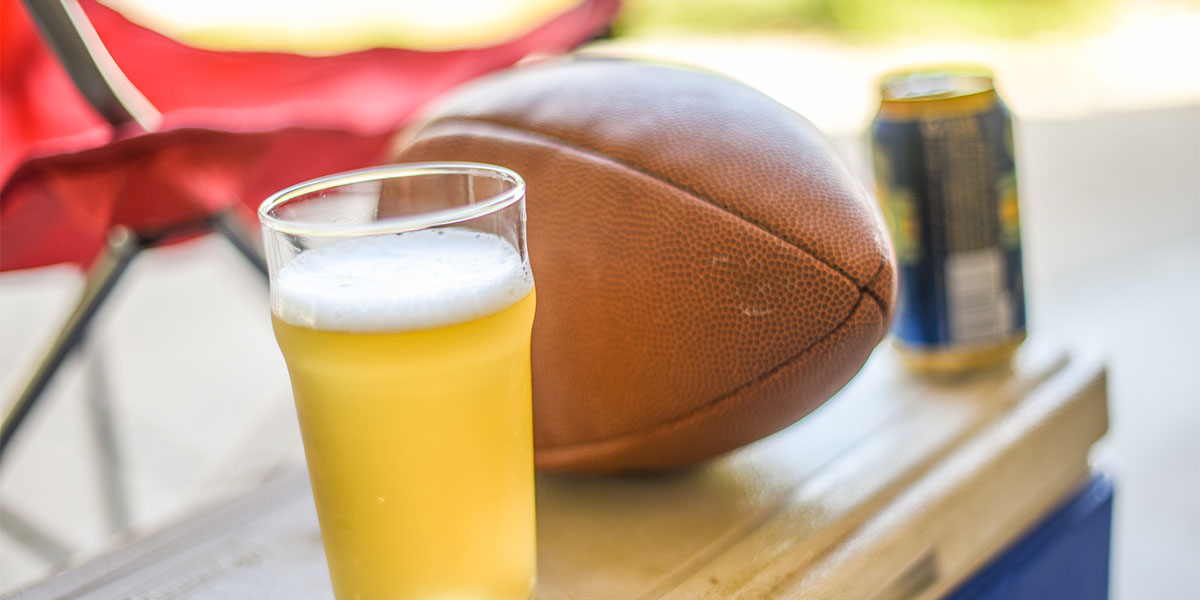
(110, 467)
(123, 246)
(226, 224)
(31, 536)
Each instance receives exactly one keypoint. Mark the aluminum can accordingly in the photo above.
(946, 179)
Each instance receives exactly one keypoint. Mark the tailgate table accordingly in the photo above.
(900, 487)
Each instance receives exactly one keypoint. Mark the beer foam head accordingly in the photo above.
(408, 281)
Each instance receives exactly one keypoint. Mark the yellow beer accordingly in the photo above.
(409, 361)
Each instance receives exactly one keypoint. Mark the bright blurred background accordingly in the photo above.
(1107, 98)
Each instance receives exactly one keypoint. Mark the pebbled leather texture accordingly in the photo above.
(708, 271)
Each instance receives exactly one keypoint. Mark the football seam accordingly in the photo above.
(862, 287)
(864, 292)
(662, 425)
(884, 307)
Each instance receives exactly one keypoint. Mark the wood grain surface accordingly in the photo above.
(898, 488)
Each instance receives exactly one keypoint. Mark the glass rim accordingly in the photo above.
(399, 223)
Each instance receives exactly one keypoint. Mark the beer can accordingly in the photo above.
(946, 179)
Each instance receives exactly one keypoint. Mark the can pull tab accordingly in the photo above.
(925, 85)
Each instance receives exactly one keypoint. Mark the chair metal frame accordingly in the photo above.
(67, 30)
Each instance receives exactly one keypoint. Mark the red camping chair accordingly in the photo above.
(85, 157)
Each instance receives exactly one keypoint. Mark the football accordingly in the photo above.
(708, 271)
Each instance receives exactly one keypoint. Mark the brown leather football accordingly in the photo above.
(708, 271)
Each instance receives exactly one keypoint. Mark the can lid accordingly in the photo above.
(936, 91)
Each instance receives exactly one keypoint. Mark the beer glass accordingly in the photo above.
(403, 302)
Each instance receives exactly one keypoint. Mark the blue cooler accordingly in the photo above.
(1065, 557)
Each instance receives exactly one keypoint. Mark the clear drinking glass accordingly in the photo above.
(403, 301)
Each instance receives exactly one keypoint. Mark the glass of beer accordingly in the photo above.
(403, 301)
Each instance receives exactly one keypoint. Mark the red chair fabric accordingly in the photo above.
(237, 126)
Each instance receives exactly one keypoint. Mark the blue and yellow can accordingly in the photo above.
(946, 179)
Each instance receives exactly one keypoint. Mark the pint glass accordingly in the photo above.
(402, 301)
